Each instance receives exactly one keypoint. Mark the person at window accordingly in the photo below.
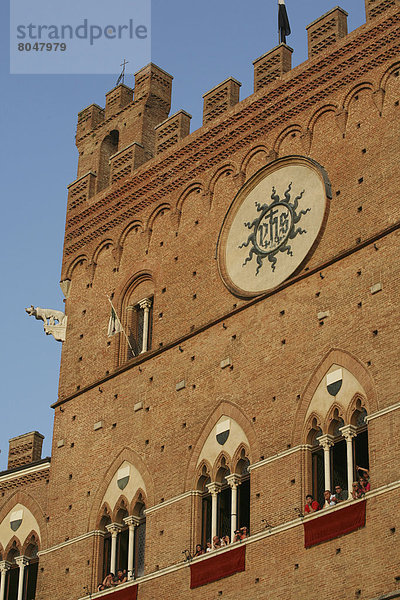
(329, 499)
(225, 541)
(107, 582)
(216, 543)
(244, 533)
(121, 576)
(236, 537)
(199, 550)
(311, 505)
(208, 547)
(364, 479)
(356, 491)
(340, 494)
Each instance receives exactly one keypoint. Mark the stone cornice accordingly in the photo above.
(381, 413)
(246, 123)
(79, 538)
(278, 456)
(22, 472)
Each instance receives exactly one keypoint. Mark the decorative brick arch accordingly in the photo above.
(343, 359)
(388, 73)
(322, 110)
(360, 87)
(78, 261)
(234, 412)
(293, 128)
(129, 455)
(226, 169)
(104, 245)
(33, 506)
(260, 149)
(135, 225)
(197, 187)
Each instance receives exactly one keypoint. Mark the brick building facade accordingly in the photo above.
(253, 266)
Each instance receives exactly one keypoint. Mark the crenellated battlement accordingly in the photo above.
(135, 126)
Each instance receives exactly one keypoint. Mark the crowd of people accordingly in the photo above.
(358, 490)
(221, 542)
(111, 580)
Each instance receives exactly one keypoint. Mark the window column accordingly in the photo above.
(349, 432)
(234, 481)
(4, 567)
(326, 441)
(214, 489)
(145, 305)
(132, 523)
(114, 529)
(22, 562)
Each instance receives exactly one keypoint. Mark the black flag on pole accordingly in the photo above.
(283, 22)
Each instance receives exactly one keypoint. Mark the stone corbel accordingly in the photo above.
(91, 269)
(117, 255)
(378, 97)
(341, 117)
(65, 286)
(240, 178)
(306, 139)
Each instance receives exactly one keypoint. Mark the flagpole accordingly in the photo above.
(123, 330)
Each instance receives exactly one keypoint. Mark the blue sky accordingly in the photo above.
(200, 44)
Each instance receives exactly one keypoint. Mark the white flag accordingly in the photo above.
(114, 325)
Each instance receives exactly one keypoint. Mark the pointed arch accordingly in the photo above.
(223, 461)
(241, 453)
(344, 359)
(128, 455)
(122, 505)
(13, 547)
(358, 403)
(336, 412)
(139, 498)
(196, 186)
(105, 513)
(233, 411)
(313, 423)
(29, 502)
(32, 539)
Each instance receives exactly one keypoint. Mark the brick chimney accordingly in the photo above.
(25, 449)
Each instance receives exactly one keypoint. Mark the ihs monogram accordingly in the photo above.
(273, 229)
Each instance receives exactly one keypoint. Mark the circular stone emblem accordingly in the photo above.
(272, 225)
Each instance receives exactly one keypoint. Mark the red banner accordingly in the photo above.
(128, 593)
(217, 566)
(331, 525)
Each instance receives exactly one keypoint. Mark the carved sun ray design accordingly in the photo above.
(272, 230)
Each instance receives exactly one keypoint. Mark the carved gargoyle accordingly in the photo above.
(54, 321)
